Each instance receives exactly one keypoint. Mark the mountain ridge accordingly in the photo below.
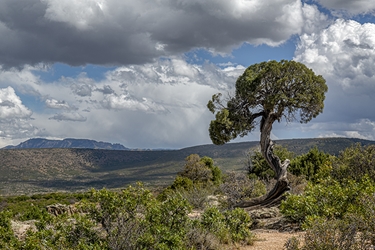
(67, 143)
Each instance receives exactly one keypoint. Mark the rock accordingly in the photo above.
(20, 228)
(272, 219)
(58, 209)
(265, 213)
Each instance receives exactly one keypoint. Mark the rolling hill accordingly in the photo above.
(36, 170)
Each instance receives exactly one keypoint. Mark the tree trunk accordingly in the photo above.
(276, 194)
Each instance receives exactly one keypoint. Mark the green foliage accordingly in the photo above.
(309, 164)
(34, 213)
(259, 167)
(283, 89)
(7, 238)
(182, 183)
(33, 207)
(130, 219)
(201, 170)
(239, 222)
(167, 225)
(329, 234)
(230, 226)
(77, 232)
(355, 231)
(135, 219)
(355, 162)
(214, 221)
(199, 178)
(328, 198)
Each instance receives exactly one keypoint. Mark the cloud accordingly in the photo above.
(106, 90)
(110, 32)
(55, 104)
(344, 53)
(81, 89)
(130, 103)
(73, 116)
(348, 7)
(159, 104)
(175, 71)
(314, 20)
(11, 106)
(15, 118)
(346, 50)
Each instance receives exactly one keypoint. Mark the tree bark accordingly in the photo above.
(276, 194)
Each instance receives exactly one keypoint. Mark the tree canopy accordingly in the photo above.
(285, 89)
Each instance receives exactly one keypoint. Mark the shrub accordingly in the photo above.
(327, 234)
(239, 222)
(329, 198)
(198, 195)
(230, 227)
(214, 221)
(309, 164)
(196, 181)
(34, 213)
(7, 238)
(354, 163)
(201, 170)
(238, 187)
(306, 165)
(257, 165)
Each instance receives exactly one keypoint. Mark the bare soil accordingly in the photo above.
(271, 239)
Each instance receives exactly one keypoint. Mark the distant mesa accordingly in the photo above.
(67, 143)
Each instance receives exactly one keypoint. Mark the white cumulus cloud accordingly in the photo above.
(15, 118)
(344, 53)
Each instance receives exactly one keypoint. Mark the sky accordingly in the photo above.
(140, 73)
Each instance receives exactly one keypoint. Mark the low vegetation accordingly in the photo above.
(332, 198)
(133, 218)
(337, 208)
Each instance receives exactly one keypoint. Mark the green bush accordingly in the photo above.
(214, 221)
(354, 163)
(135, 219)
(327, 234)
(201, 170)
(7, 238)
(309, 164)
(239, 222)
(328, 198)
(232, 226)
(182, 183)
(199, 179)
(337, 234)
(257, 165)
(129, 219)
(34, 213)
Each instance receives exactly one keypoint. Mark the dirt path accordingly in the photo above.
(271, 240)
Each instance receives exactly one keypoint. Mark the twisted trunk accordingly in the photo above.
(276, 194)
